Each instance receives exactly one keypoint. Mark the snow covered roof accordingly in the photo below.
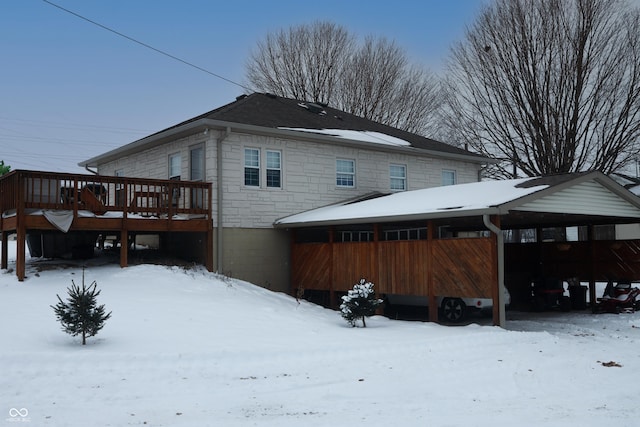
(579, 194)
(356, 135)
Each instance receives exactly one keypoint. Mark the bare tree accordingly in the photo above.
(323, 63)
(380, 84)
(301, 62)
(549, 86)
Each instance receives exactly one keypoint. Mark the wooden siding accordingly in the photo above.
(351, 262)
(464, 267)
(461, 267)
(403, 267)
(312, 266)
(599, 259)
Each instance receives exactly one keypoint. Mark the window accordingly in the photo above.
(175, 166)
(355, 236)
(398, 177)
(418, 233)
(448, 177)
(274, 169)
(345, 173)
(196, 173)
(196, 163)
(252, 167)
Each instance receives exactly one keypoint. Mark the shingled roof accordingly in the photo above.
(268, 111)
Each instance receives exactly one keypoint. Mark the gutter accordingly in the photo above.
(219, 198)
(498, 232)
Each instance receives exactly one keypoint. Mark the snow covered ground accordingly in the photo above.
(189, 348)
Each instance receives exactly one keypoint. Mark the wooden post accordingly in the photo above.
(333, 299)
(209, 248)
(495, 290)
(124, 248)
(5, 248)
(539, 267)
(294, 289)
(20, 254)
(433, 305)
(376, 239)
(20, 229)
(592, 269)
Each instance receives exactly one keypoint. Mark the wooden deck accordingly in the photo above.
(115, 205)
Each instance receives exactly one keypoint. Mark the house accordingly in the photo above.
(268, 157)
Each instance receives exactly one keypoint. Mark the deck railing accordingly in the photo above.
(21, 189)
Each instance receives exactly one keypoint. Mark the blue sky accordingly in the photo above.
(71, 90)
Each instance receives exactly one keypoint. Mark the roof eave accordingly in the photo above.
(147, 142)
(392, 218)
(618, 189)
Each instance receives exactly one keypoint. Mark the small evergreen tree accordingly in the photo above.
(359, 303)
(81, 314)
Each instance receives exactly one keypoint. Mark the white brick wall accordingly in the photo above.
(308, 174)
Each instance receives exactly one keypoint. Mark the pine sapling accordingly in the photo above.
(81, 314)
(359, 303)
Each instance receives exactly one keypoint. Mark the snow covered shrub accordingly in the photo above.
(359, 303)
(81, 314)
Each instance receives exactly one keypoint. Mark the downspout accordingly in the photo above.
(219, 193)
(498, 232)
(89, 170)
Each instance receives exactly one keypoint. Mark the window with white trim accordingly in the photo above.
(397, 177)
(448, 177)
(345, 173)
(175, 166)
(416, 233)
(252, 167)
(196, 163)
(274, 169)
(355, 236)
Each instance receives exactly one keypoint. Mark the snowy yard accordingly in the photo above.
(189, 348)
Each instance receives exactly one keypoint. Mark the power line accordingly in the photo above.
(73, 126)
(104, 27)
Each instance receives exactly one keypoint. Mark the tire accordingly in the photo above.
(453, 309)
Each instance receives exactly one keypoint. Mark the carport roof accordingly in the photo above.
(579, 198)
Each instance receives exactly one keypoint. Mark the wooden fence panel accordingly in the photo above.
(403, 267)
(616, 259)
(311, 266)
(464, 267)
(353, 261)
(461, 267)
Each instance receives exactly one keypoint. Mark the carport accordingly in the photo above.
(450, 241)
